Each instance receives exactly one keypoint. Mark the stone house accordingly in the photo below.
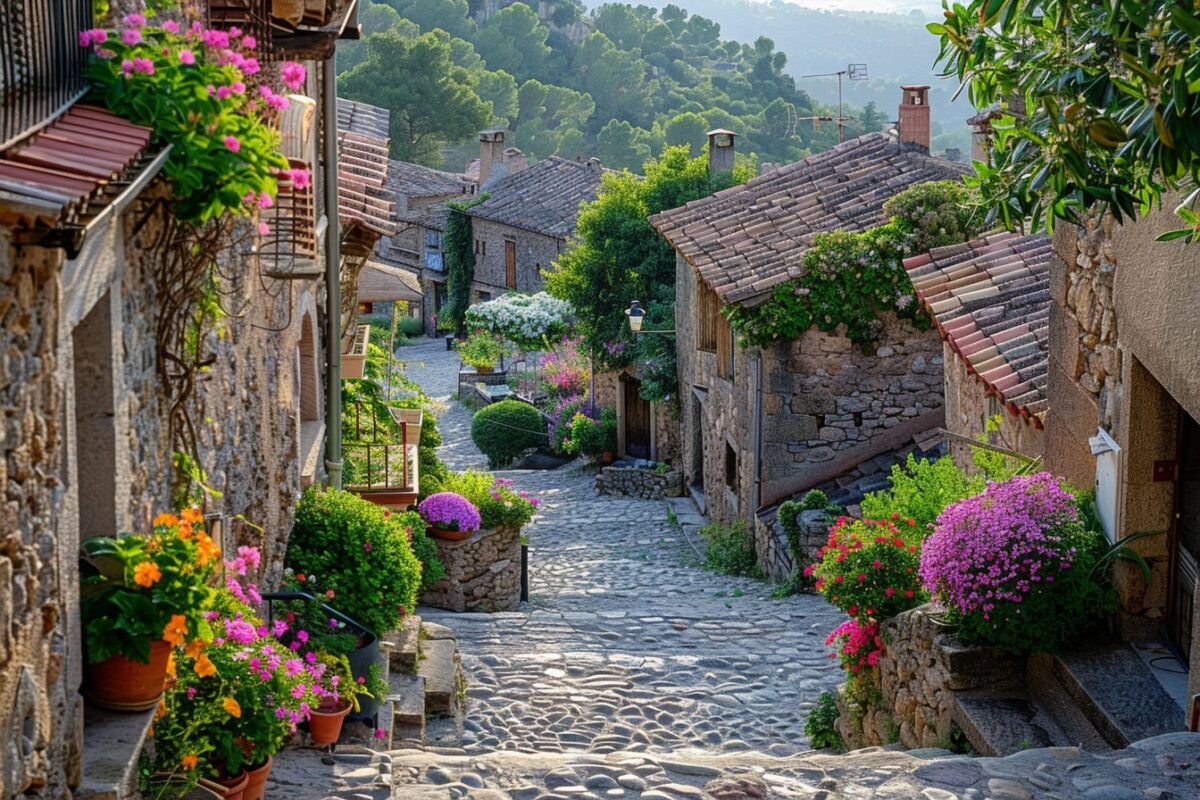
(1124, 390)
(92, 404)
(990, 301)
(526, 221)
(759, 425)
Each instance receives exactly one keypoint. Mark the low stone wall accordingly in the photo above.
(775, 556)
(921, 670)
(639, 482)
(483, 573)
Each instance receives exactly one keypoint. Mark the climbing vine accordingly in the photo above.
(458, 247)
(853, 279)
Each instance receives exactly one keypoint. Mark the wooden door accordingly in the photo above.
(637, 421)
(510, 264)
(1184, 550)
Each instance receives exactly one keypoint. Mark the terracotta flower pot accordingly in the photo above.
(484, 370)
(325, 724)
(607, 456)
(256, 786)
(451, 534)
(120, 684)
(229, 788)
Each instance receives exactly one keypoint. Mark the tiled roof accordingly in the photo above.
(747, 239)
(71, 169)
(363, 197)
(414, 180)
(383, 283)
(990, 299)
(544, 197)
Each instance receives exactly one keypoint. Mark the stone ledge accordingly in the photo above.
(483, 572)
(111, 743)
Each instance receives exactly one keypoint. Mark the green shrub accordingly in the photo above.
(729, 549)
(411, 327)
(559, 426)
(593, 437)
(497, 501)
(430, 469)
(361, 552)
(821, 727)
(502, 431)
(921, 490)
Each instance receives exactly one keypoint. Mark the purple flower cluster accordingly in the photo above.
(997, 547)
(449, 510)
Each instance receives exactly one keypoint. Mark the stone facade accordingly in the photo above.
(800, 412)
(664, 417)
(483, 572)
(535, 253)
(640, 482)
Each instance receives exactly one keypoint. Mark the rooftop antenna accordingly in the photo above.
(855, 72)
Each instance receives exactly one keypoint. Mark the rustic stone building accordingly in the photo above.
(94, 404)
(762, 424)
(1124, 388)
(990, 301)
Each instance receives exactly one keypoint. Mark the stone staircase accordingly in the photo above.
(1098, 698)
(427, 704)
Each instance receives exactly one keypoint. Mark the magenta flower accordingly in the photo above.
(215, 40)
(134, 20)
(223, 93)
(232, 141)
(250, 66)
(264, 200)
(187, 56)
(249, 42)
(279, 627)
(143, 65)
(293, 74)
(191, 693)
(263, 229)
(170, 26)
(380, 733)
(93, 36)
(238, 87)
(127, 66)
(131, 36)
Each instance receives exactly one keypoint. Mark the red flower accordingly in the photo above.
(300, 577)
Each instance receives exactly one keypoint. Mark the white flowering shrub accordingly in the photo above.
(523, 319)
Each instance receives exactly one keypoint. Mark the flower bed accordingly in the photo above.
(648, 484)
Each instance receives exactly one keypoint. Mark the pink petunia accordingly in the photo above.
(293, 74)
(143, 65)
(223, 93)
(232, 141)
(187, 56)
(170, 26)
(131, 36)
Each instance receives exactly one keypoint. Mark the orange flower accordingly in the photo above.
(205, 666)
(176, 630)
(161, 711)
(171, 666)
(168, 520)
(147, 574)
(189, 761)
(207, 547)
(194, 648)
(231, 707)
(185, 531)
(191, 516)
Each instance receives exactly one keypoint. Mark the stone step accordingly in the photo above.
(1053, 699)
(1117, 693)
(111, 743)
(1003, 723)
(403, 645)
(407, 706)
(439, 667)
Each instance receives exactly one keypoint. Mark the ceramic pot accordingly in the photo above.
(256, 781)
(450, 534)
(120, 684)
(607, 456)
(325, 724)
(229, 788)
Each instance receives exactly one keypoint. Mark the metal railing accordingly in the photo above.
(41, 62)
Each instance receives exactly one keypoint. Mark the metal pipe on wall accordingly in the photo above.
(333, 281)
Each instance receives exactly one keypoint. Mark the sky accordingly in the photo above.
(930, 7)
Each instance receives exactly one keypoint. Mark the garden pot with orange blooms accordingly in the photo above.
(325, 723)
(122, 684)
(256, 786)
(232, 788)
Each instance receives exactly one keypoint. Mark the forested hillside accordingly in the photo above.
(619, 82)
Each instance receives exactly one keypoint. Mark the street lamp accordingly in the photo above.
(637, 315)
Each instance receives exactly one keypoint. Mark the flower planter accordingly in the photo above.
(119, 684)
(325, 724)
(361, 660)
(256, 785)
(524, 573)
(606, 456)
(229, 788)
(449, 534)
(484, 370)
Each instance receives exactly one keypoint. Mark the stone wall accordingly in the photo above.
(664, 416)
(969, 407)
(483, 572)
(775, 556)
(535, 254)
(639, 482)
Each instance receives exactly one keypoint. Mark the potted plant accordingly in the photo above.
(481, 351)
(606, 431)
(337, 691)
(138, 594)
(449, 516)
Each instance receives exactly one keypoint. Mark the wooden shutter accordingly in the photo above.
(510, 264)
(707, 312)
(724, 348)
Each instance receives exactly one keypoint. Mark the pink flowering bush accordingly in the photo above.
(449, 510)
(1014, 567)
(868, 568)
(191, 86)
(857, 645)
(498, 501)
(565, 369)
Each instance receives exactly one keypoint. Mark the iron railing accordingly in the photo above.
(289, 249)
(41, 62)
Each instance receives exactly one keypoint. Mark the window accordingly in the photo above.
(510, 263)
(725, 348)
(433, 240)
(708, 309)
(480, 247)
(366, 308)
(731, 467)
(482, 297)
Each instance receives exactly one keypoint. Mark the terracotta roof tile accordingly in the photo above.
(990, 299)
(380, 282)
(747, 239)
(544, 197)
(363, 197)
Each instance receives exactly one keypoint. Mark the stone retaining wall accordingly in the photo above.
(775, 556)
(639, 482)
(483, 573)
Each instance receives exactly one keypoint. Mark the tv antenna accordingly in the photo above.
(855, 72)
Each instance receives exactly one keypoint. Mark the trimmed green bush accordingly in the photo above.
(505, 430)
(360, 551)
(497, 501)
(412, 327)
(920, 491)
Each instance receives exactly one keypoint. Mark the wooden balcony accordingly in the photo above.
(384, 472)
(289, 250)
(296, 29)
(354, 359)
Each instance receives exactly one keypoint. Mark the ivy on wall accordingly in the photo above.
(458, 247)
(853, 279)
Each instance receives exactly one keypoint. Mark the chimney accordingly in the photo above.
(720, 151)
(491, 153)
(914, 115)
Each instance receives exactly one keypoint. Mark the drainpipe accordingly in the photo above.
(333, 283)
(756, 446)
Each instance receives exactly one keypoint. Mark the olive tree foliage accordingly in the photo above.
(1099, 103)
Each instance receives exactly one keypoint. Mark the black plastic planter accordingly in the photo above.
(449, 342)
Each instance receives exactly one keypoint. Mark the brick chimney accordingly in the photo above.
(720, 151)
(914, 115)
(491, 153)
